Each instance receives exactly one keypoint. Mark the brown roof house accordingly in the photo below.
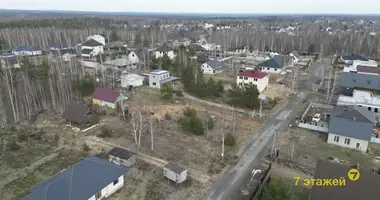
(77, 116)
(366, 187)
(108, 98)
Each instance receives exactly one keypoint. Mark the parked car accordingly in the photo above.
(316, 117)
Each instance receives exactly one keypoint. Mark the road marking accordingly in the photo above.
(353, 174)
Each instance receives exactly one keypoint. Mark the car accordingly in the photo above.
(316, 117)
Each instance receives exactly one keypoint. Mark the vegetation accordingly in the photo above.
(210, 123)
(85, 86)
(191, 123)
(244, 97)
(276, 190)
(86, 148)
(105, 131)
(13, 146)
(230, 140)
(166, 91)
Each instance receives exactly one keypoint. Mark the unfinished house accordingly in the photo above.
(175, 173)
(122, 157)
(76, 116)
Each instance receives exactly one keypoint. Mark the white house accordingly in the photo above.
(211, 67)
(133, 57)
(175, 173)
(363, 99)
(256, 77)
(296, 57)
(91, 48)
(9, 60)
(161, 51)
(26, 51)
(351, 127)
(275, 65)
(134, 80)
(97, 38)
(92, 178)
(159, 77)
(122, 157)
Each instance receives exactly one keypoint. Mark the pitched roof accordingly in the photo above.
(214, 63)
(121, 153)
(175, 168)
(202, 58)
(25, 48)
(106, 95)
(352, 121)
(163, 49)
(64, 51)
(355, 57)
(91, 43)
(10, 60)
(141, 52)
(86, 51)
(253, 73)
(278, 61)
(357, 80)
(81, 181)
(368, 69)
(366, 187)
(75, 112)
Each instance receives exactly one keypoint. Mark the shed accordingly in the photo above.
(122, 157)
(175, 173)
(76, 114)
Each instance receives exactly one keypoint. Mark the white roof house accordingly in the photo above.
(362, 99)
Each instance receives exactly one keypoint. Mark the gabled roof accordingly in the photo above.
(278, 61)
(366, 187)
(60, 46)
(64, 51)
(106, 95)
(81, 181)
(75, 113)
(357, 80)
(163, 49)
(352, 121)
(11, 60)
(175, 168)
(91, 43)
(86, 51)
(121, 153)
(141, 52)
(214, 63)
(355, 57)
(253, 74)
(202, 58)
(25, 48)
(368, 69)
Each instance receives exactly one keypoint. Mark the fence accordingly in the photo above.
(263, 180)
(375, 140)
(324, 129)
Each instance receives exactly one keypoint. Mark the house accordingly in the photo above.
(65, 54)
(159, 77)
(211, 66)
(348, 59)
(91, 178)
(275, 65)
(256, 77)
(295, 55)
(76, 115)
(98, 38)
(202, 57)
(351, 127)
(58, 47)
(356, 63)
(196, 47)
(26, 51)
(121, 63)
(175, 173)
(182, 41)
(107, 97)
(134, 80)
(122, 157)
(142, 53)
(91, 48)
(363, 81)
(365, 99)
(161, 51)
(9, 60)
(133, 58)
(366, 187)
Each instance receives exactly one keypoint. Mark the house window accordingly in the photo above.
(336, 139)
(376, 110)
(369, 108)
(245, 78)
(154, 76)
(245, 84)
(358, 145)
(240, 83)
(116, 182)
(98, 195)
(267, 68)
(154, 83)
(275, 69)
(255, 79)
(347, 141)
(240, 77)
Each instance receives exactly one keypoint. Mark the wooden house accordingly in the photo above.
(76, 115)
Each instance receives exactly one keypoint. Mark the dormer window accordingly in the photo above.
(354, 80)
(369, 82)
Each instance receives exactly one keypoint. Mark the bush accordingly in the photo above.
(22, 137)
(210, 123)
(86, 147)
(179, 93)
(229, 140)
(13, 146)
(105, 132)
(167, 116)
(190, 112)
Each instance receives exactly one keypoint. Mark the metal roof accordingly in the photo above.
(175, 168)
(91, 43)
(75, 112)
(355, 57)
(163, 49)
(358, 80)
(25, 48)
(119, 62)
(106, 95)
(86, 51)
(121, 153)
(352, 121)
(79, 182)
(214, 63)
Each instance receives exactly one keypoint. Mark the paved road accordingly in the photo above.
(230, 185)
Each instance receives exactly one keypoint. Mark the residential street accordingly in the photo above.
(229, 186)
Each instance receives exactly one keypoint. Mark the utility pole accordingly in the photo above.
(261, 108)
(328, 85)
(274, 143)
(223, 144)
(333, 87)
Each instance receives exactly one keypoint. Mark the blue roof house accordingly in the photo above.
(211, 67)
(90, 178)
(26, 51)
(275, 64)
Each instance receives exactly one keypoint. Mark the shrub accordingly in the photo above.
(86, 147)
(105, 132)
(22, 137)
(179, 93)
(210, 123)
(229, 140)
(190, 112)
(13, 146)
(167, 116)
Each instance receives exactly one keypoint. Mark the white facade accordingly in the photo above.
(261, 83)
(95, 50)
(178, 178)
(348, 142)
(133, 57)
(272, 70)
(109, 189)
(131, 79)
(295, 58)
(362, 99)
(207, 69)
(160, 54)
(27, 53)
(67, 57)
(156, 76)
(122, 162)
(352, 66)
(107, 104)
(98, 38)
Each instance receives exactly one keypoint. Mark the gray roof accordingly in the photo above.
(92, 43)
(86, 51)
(79, 182)
(357, 80)
(175, 168)
(278, 61)
(355, 57)
(352, 121)
(368, 69)
(121, 153)
(163, 49)
(214, 63)
(119, 62)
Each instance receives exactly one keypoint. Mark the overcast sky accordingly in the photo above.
(202, 6)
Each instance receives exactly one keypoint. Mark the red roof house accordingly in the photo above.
(256, 77)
